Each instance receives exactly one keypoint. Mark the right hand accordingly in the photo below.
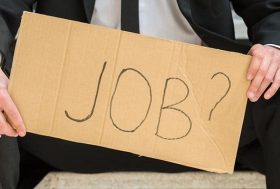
(11, 123)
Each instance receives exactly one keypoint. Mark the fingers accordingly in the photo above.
(5, 127)
(258, 72)
(10, 111)
(262, 70)
(265, 83)
(254, 66)
(263, 79)
(268, 79)
(274, 87)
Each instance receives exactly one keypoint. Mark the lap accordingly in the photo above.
(83, 158)
(77, 157)
(259, 144)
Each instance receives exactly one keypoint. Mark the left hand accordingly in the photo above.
(264, 70)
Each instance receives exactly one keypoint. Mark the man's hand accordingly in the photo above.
(11, 123)
(263, 71)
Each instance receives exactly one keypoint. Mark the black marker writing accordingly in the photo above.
(171, 107)
(112, 99)
(95, 99)
(229, 86)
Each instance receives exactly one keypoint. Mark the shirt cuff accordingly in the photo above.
(273, 45)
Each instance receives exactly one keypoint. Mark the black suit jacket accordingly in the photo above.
(211, 20)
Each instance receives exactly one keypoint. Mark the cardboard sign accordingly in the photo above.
(157, 98)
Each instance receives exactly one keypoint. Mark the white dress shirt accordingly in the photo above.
(158, 18)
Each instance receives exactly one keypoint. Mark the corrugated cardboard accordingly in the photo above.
(157, 98)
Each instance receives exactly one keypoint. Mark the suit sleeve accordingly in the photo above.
(10, 16)
(262, 18)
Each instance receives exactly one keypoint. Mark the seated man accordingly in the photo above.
(206, 22)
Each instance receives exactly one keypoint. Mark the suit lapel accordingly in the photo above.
(89, 6)
(211, 38)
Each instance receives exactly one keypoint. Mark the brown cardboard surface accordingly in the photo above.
(157, 98)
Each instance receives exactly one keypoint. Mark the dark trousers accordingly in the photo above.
(259, 150)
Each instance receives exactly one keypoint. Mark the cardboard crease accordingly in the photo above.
(61, 73)
(111, 87)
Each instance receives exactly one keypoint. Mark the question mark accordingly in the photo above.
(229, 86)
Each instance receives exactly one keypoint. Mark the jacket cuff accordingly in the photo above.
(3, 64)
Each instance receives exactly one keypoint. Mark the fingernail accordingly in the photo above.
(250, 95)
(250, 77)
(254, 99)
(267, 96)
(22, 134)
